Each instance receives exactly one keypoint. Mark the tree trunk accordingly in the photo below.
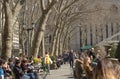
(61, 42)
(57, 44)
(60, 47)
(7, 33)
(83, 36)
(23, 47)
(38, 36)
(65, 41)
(54, 42)
(43, 47)
(60, 39)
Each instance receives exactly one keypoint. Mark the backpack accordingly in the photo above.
(47, 59)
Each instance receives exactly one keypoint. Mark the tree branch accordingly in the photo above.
(60, 5)
(51, 5)
(18, 2)
(17, 7)
(1, 1)
(42, 5)
(6, 7)
(88, 11)
(69, 5)
(49, 1)
(56, 10)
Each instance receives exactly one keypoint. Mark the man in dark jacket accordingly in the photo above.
(71, 58)
(18, 72)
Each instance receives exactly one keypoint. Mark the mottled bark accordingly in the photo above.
(7, 34)
(53, 42)
(57, 44)
(38, 36)
(43, 46)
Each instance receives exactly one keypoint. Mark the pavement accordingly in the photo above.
(65, 72)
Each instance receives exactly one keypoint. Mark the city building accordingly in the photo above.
(100, 28)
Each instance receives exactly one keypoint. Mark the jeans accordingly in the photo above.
(71, 62)
(1, 76)
(25, 76)
(31, 75)
(47, 68)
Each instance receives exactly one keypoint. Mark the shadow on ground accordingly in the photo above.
(69, 76)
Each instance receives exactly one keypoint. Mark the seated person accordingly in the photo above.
(28, 68)
(17, 70)
(7, 70)
(107, 69)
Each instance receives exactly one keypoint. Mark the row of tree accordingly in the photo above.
(59, 16)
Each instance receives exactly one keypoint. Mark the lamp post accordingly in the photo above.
(47, 39)
(28, 29)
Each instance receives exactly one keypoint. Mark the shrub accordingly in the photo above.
(37, 60)
(53, 58)
(117, 54)
(113, 50)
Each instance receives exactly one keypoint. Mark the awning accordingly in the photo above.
(86, 47)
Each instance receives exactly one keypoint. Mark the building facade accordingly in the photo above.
(101, 27)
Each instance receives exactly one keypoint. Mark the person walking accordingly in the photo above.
(71, 58)
(65, 57)
(47, 62)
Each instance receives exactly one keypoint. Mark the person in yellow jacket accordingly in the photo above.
(47, 62)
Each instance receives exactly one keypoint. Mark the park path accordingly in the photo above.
(65, 72)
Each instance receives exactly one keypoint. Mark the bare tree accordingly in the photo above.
(38, 36)
(61, 10)
(69, 17)
(11, 11)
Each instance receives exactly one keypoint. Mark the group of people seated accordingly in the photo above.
(17, 68)
(89, 67)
